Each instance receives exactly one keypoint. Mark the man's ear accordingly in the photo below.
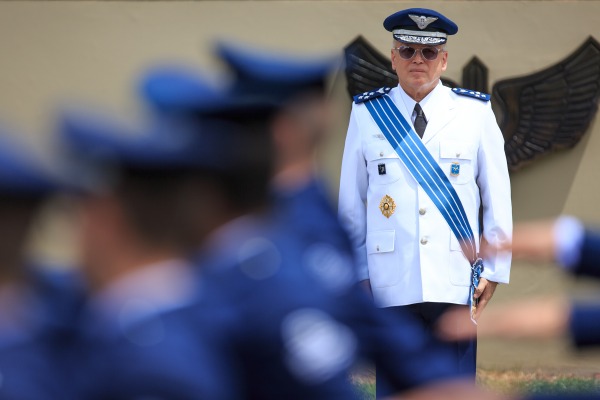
(444, 61)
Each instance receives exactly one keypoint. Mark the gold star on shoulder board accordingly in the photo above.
(387, 206)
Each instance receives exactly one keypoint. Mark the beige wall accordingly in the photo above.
(52, 51)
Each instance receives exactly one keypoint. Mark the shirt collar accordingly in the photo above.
(148, 291)
(409, 103)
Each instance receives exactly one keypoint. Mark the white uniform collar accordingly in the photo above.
(409, 103)
(150, 290)
(233, 233)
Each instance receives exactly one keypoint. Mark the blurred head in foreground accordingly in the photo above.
(288, 93)
(25, 183)
(163, 186)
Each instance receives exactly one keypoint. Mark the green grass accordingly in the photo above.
(563, 386)
(512, 382)
(520, 382)
(363, 380)
(365, 390)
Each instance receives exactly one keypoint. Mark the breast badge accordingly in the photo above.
(455, 169)
(387, 206)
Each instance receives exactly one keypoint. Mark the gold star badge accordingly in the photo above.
(387, 206)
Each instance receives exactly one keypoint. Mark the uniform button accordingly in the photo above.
(424, 241)
(422, 211)
(381, 154)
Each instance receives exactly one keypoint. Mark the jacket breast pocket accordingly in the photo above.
(382, 260)
(383, 165)
(456, 160)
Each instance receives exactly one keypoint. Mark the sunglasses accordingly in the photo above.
(427, 53)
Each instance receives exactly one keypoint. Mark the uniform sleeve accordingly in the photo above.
(577, 247)
(589, 264)
(494, 187)
(353, 194)
(583, 325)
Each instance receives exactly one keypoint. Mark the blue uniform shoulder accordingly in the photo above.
(472, 93)
(366, 96)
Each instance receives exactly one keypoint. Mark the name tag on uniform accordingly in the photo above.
(381, 169)
(455, 169)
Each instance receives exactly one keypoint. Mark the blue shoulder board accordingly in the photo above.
(472, 93)
(361, 98)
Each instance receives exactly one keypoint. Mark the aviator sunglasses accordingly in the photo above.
(427, 53)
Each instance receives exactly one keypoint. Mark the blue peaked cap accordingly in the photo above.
(98, 141)
(262, 74)
(175, 90)
(262, 83)
(22, 173)
(420, 26)
(175, 87)
(206, 123)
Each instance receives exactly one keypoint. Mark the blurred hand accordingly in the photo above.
(532, 240)
(450, 390)
(484, 292)
(455, 325)
(542, 318)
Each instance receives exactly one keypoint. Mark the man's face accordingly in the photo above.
(418, 74)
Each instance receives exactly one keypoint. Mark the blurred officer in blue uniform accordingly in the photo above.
(575, 248)
(564, 240)
(297, 318)
(35, 301)
(135, 338)
(298, 128)
(280, 338)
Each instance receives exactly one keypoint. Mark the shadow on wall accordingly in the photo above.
(541, 190)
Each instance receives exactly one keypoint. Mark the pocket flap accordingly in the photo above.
(380, 241)
(456, 150)
(380, 151)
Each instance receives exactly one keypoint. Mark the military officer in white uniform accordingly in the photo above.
(407, 253)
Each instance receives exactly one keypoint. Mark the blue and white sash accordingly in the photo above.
(426, 171)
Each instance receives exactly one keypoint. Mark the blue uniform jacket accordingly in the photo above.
(139, 338)
(33, 354)
(164, 356)
(308, 212)
(295, 319)
(278, 329)
(589, 261)
(583, 325)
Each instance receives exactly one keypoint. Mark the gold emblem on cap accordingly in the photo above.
(387, 206)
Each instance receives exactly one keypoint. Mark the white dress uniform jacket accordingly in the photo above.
(413, 256)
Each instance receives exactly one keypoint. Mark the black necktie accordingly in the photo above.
(420, 121)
